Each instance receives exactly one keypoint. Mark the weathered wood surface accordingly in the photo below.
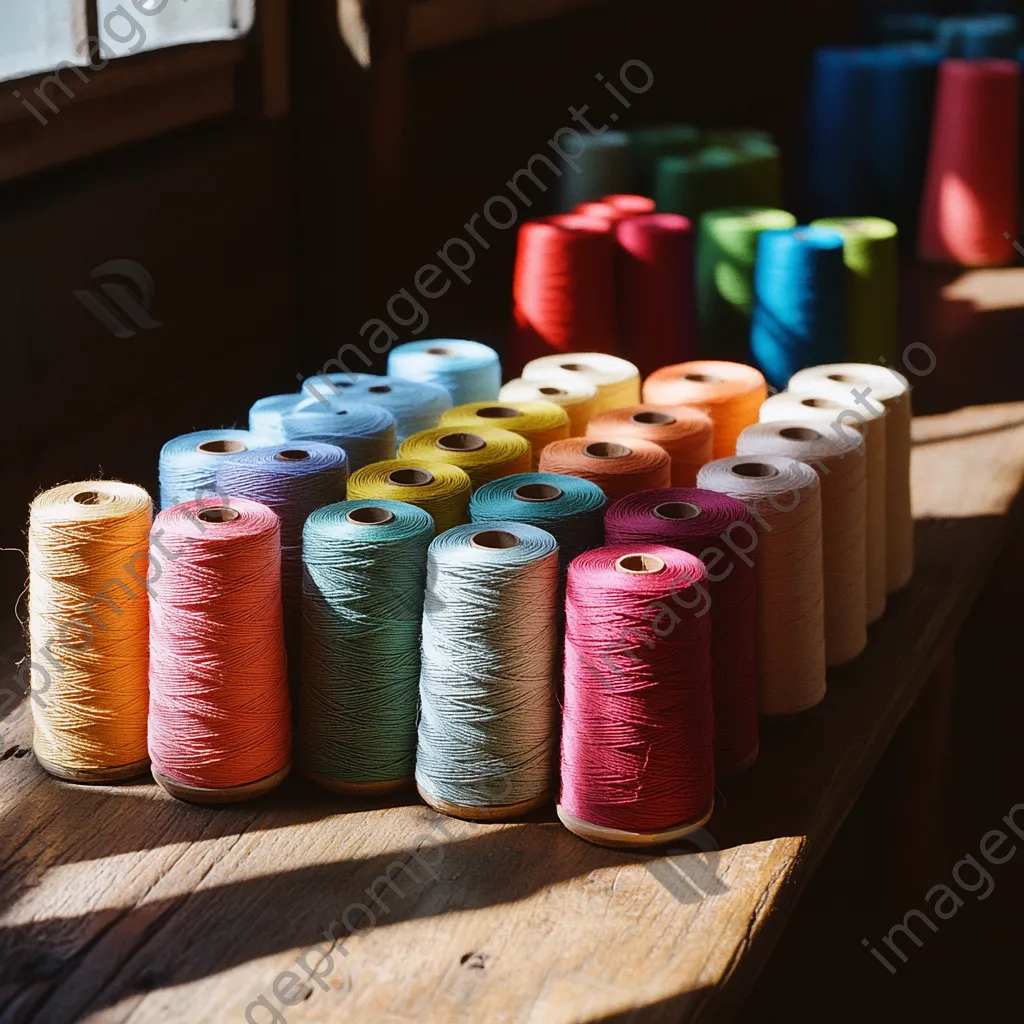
(119, 904)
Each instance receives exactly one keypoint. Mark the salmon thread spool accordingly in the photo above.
(617, 467)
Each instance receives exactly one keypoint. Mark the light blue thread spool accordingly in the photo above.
(267, 415)
(366, 433)
(189, 464)
(467, 370)
(487, 731)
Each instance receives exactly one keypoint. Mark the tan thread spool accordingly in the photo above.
(618, 466)
(617, 380)
(784, 497)
(842, 472)
(687, 434)
(828, 405)
(573, 392)
(881, 385)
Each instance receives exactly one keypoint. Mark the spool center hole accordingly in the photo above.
(92, 498)
(494, 540)
(653, 419)
(219, 515)
(498, 412)
(844, 378)
(552, 391)
(292, 455)
(800, 434)
(607, 450)
(222, 447)
(380, 389)
(820, 403)
(373, 515)
(702, 378)
(341, 412)
(755, 470)
(538, 492)
(461, 442)
(678, 510)
(574, 367)
(640, 564)
(410, 477)
(437, 351)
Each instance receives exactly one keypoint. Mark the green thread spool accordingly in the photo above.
(758, 173)
(652, 143)
(690, 185)
(364, 574)
(738, 138)
(870, 251)
(726, 252)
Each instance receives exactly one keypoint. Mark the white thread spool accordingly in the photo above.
(617, 380)
(573, 392)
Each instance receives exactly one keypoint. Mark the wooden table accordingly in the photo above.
(119, 904)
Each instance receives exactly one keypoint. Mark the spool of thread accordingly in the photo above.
(266, 417)
(637, 766)
(415, 405)
(831, 412)
(730, 393)
(872, 286)
(727, 252)
(563, 287)
(616, 208)
(617, 380)
(799, 301)
(687, 434)
(619, 468)
(436, 487)
(908, 27)
(467, 370)
(88, 555)
(485, 453)
(784, 497)
(879, 385)
(652, 143)
(219, 715)
(292, 482)
(719, 530)
(758, 173)
(487, 730)
(691, 185)
(539, 422)
(570, 509)
(739, 138)
(656, 300)
(189, 464)
(979, 37)
(970, 207)
(842, 472)
(605, 168)
(576, 395)
(362, 605)
(365, 433)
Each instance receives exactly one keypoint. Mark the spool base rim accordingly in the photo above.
(221, 795)
(796, 715)
(357, 788)
(93, 776)
(738, 769)
(616, 838)
(469, 813)
(846, 659)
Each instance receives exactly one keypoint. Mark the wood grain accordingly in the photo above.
(120, 904)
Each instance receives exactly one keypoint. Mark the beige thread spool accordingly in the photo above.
(828, 407)
(841, 470)
(784, 496)
(573, 392)
(617, 380)
(879, 384)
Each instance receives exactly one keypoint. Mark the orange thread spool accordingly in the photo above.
(618, 467)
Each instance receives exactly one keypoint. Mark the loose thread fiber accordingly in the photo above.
(415, 405)
(617, 380)
(266, 417)
(730, 393)
(727, 252)
(652, 143)
(831, 409)
(436, 487)
(485, 453)
(719, 530)
(799, 301)
(656, 301)
(784, 497)
(365, 433)
(540, 423)
(617, 467)
(362, 609)
(637, 720)
(467, 370)
(842, 471)
(576, 395)
(605, 168)
(189, 464)
(686, 434)
(871, 256)
(88, 560)
(487, 728)
(616, 208)
(219, 713)
(563, 288)
(879, 385)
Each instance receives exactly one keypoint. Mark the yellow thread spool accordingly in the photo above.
(441, 489)
(539, 422)
(485, 453)
(574, 393)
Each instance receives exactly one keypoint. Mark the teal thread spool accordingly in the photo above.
(364, 569)
(656, 141)
(606, 169)
(487, 732)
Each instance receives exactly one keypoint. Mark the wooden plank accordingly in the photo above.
(120, 904)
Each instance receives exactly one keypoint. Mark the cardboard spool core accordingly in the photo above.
(820, 403)
(219, 516)
(438, 351)
(380, 389)
(574, 367)
(755, 470)
(652, 418)
(92, 498)
(461, 442)
(371, 516)
(607, 450)
(678, 511)
(553, 391)
(341, 412)
(845, 378)
(537, 492)
(292, 455)
(800, 434)
(498, 412)
(410, 477)
(640, 564)
(494, 540)
(222, 447)
(702, 378)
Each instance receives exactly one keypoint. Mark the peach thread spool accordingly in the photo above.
(619, 468)
(617, 380)
(539, 422)
(576, 395)
(730, 393)
(784, 497)
(687, 434)
(220, 720)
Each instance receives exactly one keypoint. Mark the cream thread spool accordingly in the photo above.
(573, 392)
(617, 380)
(784, 496)
(841, 470)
